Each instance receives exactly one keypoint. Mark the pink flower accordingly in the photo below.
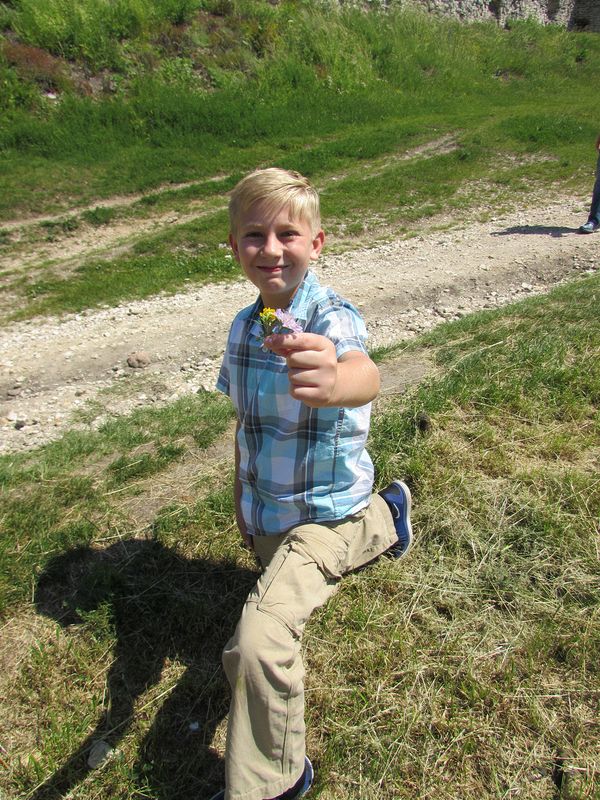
(288, 322)
(277, 321)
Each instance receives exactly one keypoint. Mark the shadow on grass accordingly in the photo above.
(555, 231)
(154, 606)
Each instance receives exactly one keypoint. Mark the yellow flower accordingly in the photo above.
(268, 316)
(276, 320)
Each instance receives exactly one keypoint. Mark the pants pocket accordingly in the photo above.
(294, 584)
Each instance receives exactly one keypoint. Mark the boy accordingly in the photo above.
(303, 482)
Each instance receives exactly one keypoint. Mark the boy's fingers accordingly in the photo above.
(284, 343)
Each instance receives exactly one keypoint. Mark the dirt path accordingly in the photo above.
(53, 369)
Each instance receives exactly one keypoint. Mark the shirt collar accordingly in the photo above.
(301, 300)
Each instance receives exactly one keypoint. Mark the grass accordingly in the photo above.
(135, 276)
(169, 103)
(266, 70)
(64, 502)
(470, 670)
(397, 191)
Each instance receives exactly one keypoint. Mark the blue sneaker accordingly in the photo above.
(589, 227)
(397, 496)
(299, 789)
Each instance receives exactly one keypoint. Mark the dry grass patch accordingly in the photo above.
(182, 483)
(467, 670)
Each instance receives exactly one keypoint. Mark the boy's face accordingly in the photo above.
(275, 252)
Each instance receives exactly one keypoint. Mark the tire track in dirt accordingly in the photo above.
(35, 251)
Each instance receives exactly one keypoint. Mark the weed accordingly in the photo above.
(101, 215)
(141, 465)
(60, 227)
(33, 63)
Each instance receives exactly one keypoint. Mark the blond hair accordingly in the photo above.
(272, 189)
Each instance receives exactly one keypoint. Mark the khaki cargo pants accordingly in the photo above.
(302, 570)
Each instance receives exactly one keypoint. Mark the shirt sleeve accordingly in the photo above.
(342, 323)
(224, 380)
(223, 383)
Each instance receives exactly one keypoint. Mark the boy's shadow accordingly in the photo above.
(162, 608)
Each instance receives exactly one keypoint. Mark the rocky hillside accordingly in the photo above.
(575, 14)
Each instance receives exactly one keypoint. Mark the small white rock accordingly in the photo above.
(100, 751)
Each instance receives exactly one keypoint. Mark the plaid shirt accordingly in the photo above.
(297, 464)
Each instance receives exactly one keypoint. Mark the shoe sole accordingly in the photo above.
(405, 492)
(310, 773)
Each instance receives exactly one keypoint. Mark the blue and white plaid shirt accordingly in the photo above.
(297, 464)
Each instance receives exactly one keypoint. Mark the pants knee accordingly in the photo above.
(262, 647)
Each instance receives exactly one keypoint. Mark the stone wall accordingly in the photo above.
(585, 15)
(574, 14)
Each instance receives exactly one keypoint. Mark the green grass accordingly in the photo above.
(198, 93)
(470, 670)
(57, 499)
(265, 71)
(397, 192)
(131, 277)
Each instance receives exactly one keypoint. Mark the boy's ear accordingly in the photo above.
(317, 245)
(234, 246)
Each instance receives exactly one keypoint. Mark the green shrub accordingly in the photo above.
(15, 93)
(100, 215)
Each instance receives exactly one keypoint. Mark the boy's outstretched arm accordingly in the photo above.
(318, 378)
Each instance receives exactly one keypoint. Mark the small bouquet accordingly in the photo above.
(277, 321)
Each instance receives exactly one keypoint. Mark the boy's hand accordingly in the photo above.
(312, 365)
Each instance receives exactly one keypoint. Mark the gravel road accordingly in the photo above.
(54, 370)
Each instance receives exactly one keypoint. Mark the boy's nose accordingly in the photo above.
(272, 245)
